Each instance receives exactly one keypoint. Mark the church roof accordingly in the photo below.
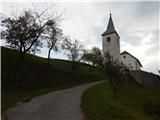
(110, 28)
(125, 52)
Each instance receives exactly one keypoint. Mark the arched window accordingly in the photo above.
(108, 40)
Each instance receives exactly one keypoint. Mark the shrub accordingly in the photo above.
(148, 107)
(157, 109)
(151, 108)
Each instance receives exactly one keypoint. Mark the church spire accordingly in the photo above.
(110, 27)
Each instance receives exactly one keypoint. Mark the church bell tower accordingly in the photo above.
(111, 41)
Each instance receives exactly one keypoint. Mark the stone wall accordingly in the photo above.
(147, 79)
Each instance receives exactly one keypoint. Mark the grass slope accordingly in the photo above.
(33, 76)
(98, 103)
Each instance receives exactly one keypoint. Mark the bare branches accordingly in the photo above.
(73, 47)
(26, 31)
(54, 35)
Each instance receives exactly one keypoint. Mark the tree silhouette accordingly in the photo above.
(105, 62)
(54, 35)
(25, 32)
(74, 49)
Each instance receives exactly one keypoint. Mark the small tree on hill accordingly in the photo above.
(94, 56)
(115, 72)
(73, 48)
(108, 65)
(54, 35)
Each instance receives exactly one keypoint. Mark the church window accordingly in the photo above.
(124, 56)
(108, 40)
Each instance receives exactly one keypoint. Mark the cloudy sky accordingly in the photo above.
(137, 23)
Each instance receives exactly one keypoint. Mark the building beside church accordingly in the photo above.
(111, 44)
(130, 61)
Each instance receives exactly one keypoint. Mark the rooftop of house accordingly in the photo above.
(125, 52)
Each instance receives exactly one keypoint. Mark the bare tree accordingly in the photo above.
(25, 32)
(54, 35)
(74, 49)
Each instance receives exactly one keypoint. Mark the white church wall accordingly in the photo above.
(113, 47)
(130, 62)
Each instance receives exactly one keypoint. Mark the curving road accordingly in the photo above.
(59, 105)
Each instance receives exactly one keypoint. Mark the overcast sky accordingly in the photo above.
(137, 24)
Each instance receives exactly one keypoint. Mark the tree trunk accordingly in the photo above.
(49, 52)
(110, 83)
(115, 90)
(22, 52)
(21, 55)
(73, 70)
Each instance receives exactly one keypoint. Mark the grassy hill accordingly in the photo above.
(33, 76)
(134, 102)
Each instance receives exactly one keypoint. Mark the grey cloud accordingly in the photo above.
(153, 45)
(133, 40)
(134, 37)
(152, 66)
(147, 8)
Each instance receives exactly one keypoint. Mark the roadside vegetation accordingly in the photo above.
(134, 102)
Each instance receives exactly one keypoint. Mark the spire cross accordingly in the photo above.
(110, 11)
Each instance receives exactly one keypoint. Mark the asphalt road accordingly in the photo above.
(59, 105)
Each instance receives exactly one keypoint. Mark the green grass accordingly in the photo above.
(34, 76)
(98, 103)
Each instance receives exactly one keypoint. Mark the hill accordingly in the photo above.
(22, 80)
(134, 102)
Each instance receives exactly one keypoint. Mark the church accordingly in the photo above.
(111, 44)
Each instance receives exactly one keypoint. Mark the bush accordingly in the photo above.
(148, 107)
(151, 108)
(157, 109)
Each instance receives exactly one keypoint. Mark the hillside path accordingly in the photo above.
(59, 105)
